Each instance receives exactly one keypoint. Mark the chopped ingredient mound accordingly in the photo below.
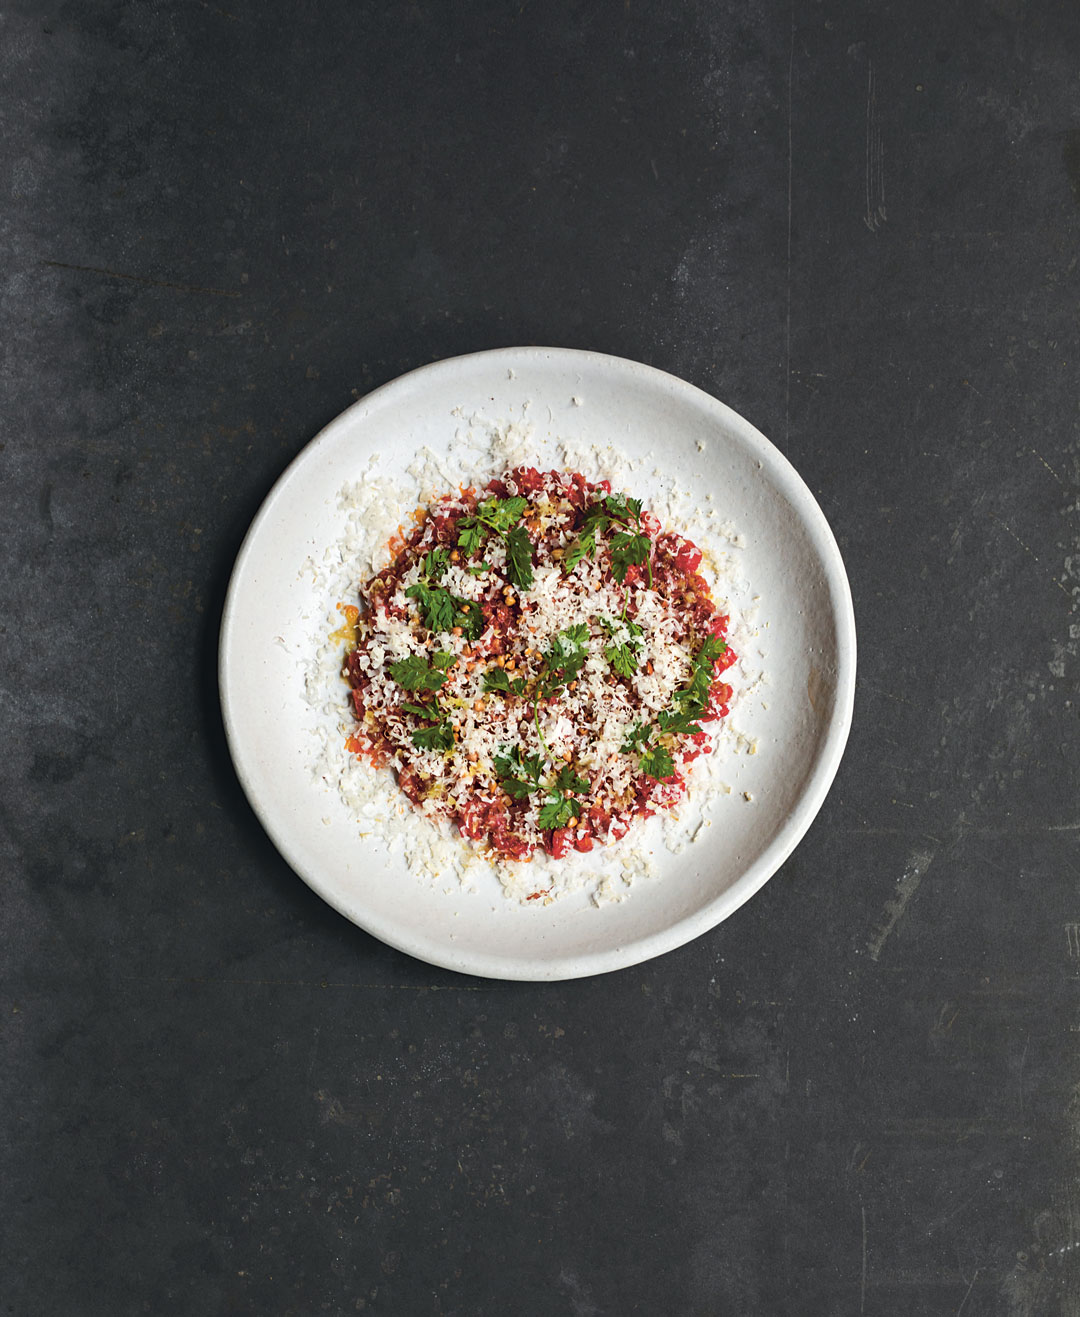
(536, 664)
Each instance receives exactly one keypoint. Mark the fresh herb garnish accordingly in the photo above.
(622, 659)
(415, 674)
(678, 724)
(556, 812)
(561, 664)
(438, 737)
(434, 563)
(626, 550)
(420, 710)
(628, 547)
(436, 606)
(635, 738)
(498, 680)
(441, 610)
(519, 775)
(500, 516)
(623, 655)
(691, 703)
(694, 697)
(561, 805)
(657, 762)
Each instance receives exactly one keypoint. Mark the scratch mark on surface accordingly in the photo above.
(894, 908)
(1048, 467)
(1072, 935)
(223, 12)
(967, 1292)
(875, 215)
(1033, 556)
(879, 690)
(142, 279)
(862, 1289)
(1020, 1075)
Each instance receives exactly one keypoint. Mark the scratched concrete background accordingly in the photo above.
(859, 224)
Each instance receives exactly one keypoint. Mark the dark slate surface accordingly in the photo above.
(858, 224)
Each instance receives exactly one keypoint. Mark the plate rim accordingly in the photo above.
(791, 830)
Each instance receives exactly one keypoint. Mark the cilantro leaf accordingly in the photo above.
(436, 606)
(567, 780)
(469, 616)
(516, 788)
(519, 558)
(434, 563)
(413, 674)
(712, 648)
(623, 508)
(418, 709)
(657, 762)
(501, 513)
(531, 765)
(694, 697)
(497, 680)
(442, 611)
(683, 723)
(439, 737)
(470, 535)
(507, 767)
(637, 736)
(622, 658)
(565, 659)
(556, 813)
(626, 550)
(584, 547)
(479, 569)
(443, 661)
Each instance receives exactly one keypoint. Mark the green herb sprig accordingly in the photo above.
(624, 657)
(499, 681)
(690, 703)
(522, 776)
(501, 517)
(629, 546)
(416, 674)
(441, 610)
(561, 804)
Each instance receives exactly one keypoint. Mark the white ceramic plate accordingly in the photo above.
(801, 722)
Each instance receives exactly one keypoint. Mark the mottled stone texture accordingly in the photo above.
(855, 222)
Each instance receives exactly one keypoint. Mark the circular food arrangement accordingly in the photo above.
(538, 664)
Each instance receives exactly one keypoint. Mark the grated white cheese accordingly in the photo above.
(376, 510)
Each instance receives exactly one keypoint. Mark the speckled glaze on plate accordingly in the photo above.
(802, 725)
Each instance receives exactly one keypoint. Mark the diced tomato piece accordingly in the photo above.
(557, 843)
(528, 479)
(688, 558)
(583, 844)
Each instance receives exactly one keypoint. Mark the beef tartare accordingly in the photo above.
(537, 664)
